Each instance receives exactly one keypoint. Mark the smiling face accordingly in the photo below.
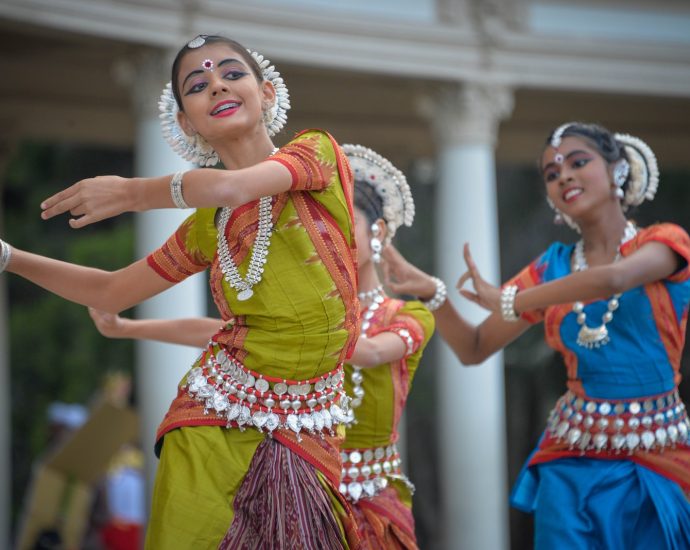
(577, 177)
(221, 95)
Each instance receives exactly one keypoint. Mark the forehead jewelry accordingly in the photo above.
(559, 158)
(207, 65)
(197, 42)
(557, 136)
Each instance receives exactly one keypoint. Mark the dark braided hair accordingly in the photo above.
(598, 136)
(368, 201)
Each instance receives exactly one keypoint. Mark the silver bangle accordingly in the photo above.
(176, 190)
(508, 294)
(439, 298)
(5, 255)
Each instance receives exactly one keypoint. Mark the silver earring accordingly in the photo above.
(375, 243)
(558, 219)
(620, 173)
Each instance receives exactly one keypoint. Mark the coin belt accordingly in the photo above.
(246, 398)
(366, 472)
(620, 426)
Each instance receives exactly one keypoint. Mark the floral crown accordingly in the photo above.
(195, 148)
(389, 183)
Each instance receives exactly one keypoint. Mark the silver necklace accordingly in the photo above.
(595, 337)
(244, 286)
(377, 297)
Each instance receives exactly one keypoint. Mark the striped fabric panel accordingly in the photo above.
(282, 504)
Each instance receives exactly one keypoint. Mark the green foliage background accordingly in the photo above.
(56, 353)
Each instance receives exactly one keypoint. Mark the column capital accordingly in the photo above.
(468, 112)
(143, 75)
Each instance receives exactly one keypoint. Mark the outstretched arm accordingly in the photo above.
(471, 343)
(194, 332)
(474, 343)
(369, 352)
(95, 199)
(377, 350)
(107, 290)
(652, 262)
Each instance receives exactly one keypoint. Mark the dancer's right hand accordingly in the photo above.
(404, 278)
(92, 200)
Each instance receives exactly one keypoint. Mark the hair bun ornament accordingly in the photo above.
(389, 183)
(643, 181)
(278, 111)
(191, 148)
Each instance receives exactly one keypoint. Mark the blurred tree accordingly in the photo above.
(56, 353)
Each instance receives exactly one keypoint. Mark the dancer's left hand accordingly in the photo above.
(91, 200)
(485, 294)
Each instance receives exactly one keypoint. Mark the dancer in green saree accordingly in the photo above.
(249, 449)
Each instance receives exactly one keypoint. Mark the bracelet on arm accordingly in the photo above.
(508, 294)
(439, 298)
(5, 255)
(176, 190)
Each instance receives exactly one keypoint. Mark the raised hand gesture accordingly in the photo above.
(91, 200)
(483, 294)
(404, 278)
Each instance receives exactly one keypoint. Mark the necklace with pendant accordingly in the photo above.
(377, 297)
(595, 337)
(244, 286)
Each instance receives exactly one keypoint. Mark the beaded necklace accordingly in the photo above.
(595, 337)
(377, 297)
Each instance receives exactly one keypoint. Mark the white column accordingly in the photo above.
(472, 424)
(159, 366)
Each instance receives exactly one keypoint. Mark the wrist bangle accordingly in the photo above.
(5, 255)
(439, 297)
(176, 190)
(508, 294)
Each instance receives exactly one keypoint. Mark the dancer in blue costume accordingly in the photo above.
(612, 469)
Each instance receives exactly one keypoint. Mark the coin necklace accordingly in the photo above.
(595, 337)
(377, 297)
(244, 286)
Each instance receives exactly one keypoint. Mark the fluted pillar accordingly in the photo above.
(159, 366)
(473, 472)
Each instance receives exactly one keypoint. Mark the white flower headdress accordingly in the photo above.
(644, 170)
(195, 148)
(389, 183)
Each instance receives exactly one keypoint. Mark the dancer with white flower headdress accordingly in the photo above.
(249, 450)
(379, 374)
(612, 469)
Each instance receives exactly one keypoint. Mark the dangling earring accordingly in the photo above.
(375, 243)
(266, 115)
(620, 175)
(560, 218)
